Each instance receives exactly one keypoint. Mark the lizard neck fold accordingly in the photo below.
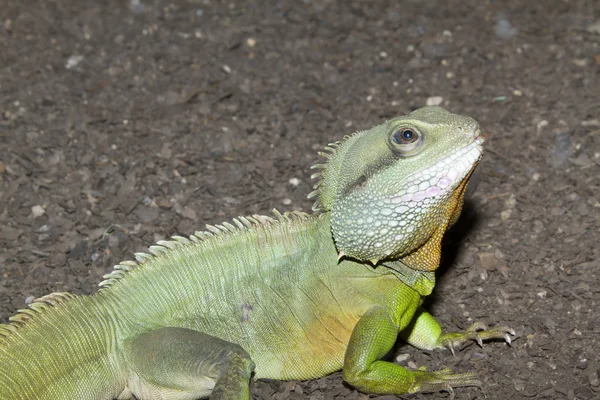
(421, 281)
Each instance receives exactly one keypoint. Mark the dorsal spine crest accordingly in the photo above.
(38, 306)
(212, 233)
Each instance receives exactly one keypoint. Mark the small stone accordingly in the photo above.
(251, 42)
(189, 213)
(582, 160)
(541, 125)
(294, 181)
(434, 100)
(538, 226)
(165, 151)
(146, 214)
(73, 61)
(573, 196)
(519, 385)
(563, 147)
(504, 28)
(488, 261)
(503, 269)
(594, 381)
(164, 203)
(37, 211)
(286, 202)
(114, 240)
(594, 27)
(136, 6)
(595, 122)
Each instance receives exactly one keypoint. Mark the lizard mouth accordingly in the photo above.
(479, 139)
(447, 174)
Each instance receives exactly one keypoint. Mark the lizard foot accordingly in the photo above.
(477, 332)
(442, 380)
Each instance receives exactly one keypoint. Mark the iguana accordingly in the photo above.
(290, 296)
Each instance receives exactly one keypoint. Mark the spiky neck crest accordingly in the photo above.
(388, 189)
(328, 180)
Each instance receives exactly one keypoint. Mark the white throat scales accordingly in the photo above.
(376, 226)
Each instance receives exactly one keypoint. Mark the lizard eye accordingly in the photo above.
(405, 136)
(405, 140)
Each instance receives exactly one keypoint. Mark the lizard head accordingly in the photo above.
(394, 189)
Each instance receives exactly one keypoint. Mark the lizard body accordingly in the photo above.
(292, 296)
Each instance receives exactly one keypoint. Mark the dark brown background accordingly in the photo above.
(125, 122)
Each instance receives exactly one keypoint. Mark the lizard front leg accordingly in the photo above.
(177, 363)
(373, 336)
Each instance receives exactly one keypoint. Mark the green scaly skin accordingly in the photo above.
(291, 296)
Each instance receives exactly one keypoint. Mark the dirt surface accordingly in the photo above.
(124, 122)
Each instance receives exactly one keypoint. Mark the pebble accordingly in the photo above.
(434, 100)
(562, 150)
(136, 6)
(294, 181)
(37, 211)
(73, 61)
(519, 385)
(541, 125)
(594, 28)
(402, 357)
(146, 214)
(189, 213)
(504, 28)
(487, 260)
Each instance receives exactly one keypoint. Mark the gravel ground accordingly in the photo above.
(124, 122)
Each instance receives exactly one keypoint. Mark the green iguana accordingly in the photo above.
(290, 296)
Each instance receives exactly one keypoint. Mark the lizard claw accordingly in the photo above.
(450, 392)
(478, 340)
(473, 332)
(477, 332)
(443, 380)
